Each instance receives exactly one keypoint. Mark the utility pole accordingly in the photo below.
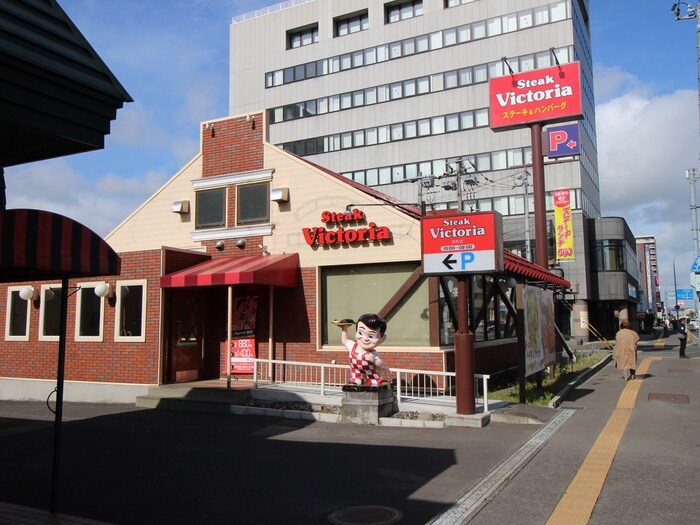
(522, 181)
(691, 175)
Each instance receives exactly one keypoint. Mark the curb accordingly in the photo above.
(557, 400)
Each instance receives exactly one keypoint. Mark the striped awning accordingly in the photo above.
(519, 266)
(39, 245)
(274, 270)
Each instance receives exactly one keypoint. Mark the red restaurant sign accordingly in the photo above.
(552, 94)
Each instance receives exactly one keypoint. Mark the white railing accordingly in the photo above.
(413, 387)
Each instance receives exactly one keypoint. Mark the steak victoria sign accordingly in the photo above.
(552, 94)
(345, 228)
(462, 243)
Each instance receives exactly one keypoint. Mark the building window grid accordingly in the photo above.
(351, 24)
(398, 11)
(452, 79)
(302, 37)
(551, 13)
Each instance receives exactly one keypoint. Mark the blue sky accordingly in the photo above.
(172, 57)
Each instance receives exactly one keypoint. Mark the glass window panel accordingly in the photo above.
(382, 53)
(278, 77)
(527, 63)
(424, 127)
(481, 117)
(269, 80)
(484, 204)
(525, 19)
(543, 59)
(438, 125)
(452, 122)
(423, 85)
(358, 98)
(371, 136)
(289, 75)
(346, 100)
(354, 25)
(370, 96)
(464, 33)
(252, 203)
(478, 30)
(437, 166)
(130, 310)
(500, 204)
(346, 140)
(541, 15)
(357, 59)
(334, 64)
(382, 93)
(342, 28)
(406, 11)
(422, 43)
(466, 120)
(409, 46)
(384, 175)
(499, 160)
(310, 70)
(295, 40)
(210, 208)
(358, 138)
(17, 322)
(393, 14)
(395, 90)
(382, 134)
(451, 79)
(558, 11)
(515, 157)
(397, 174)
(276, 115)
(50, 312)
(418, 8)
(322, 105)
(345, 61)
(397, 132)
(496, 69)
(409, 88)
(510, 23)
(370, 55)
(90, 316)
(436, 40)
(411, 171)
(334, 103)
(372, 177)
(322, 67)
(410, 129)
(493, 26)
(395, 50)
(359, 176)
(306, 38)
(450, 36)
(479, 73)
(527, 155)
(483, 162)
(465, 76)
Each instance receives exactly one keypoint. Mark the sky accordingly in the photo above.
(172, 57)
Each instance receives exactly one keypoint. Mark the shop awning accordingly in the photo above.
(519, 266)
(41, 245)
(274, 270)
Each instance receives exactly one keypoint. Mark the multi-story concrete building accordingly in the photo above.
(395, 95)
(649, 284)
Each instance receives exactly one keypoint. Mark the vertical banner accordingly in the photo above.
(539, 329)
(243, 351)
(564, 231)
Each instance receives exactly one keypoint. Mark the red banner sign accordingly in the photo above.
(552, 94)
(242, 355)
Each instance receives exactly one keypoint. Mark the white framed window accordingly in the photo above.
(130, 314)
(253, 203)
(50, 312)
(210, 208)
(17, 319)
(89, 313)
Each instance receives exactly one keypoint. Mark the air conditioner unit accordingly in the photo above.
(181, 207)
(279, 195)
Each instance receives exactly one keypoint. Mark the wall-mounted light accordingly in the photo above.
(220, 245)
(511, 282)
(263, 248)
(251, 119)
(240, 244)
(181, 207)
(209, 126)
(29, 293)
(279, 195)
(103, 290)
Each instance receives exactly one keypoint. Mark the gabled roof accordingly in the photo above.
(57, 96)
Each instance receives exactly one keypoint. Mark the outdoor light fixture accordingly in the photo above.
(103, 290)
(241, 244)
(29, 293)
(220, 245)
(511, 282)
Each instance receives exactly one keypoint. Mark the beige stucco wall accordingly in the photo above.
(153, 225)
(312, 191)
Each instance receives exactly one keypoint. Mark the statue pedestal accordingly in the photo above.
(364, 405)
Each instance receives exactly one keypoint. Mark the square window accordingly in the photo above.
(371, 136)
(384, 175)
(358, 98)
(370, 56)
(395, 90)
(253, 203)
(383, 134)
(409, 46)
(452, 122)
(451, 79)
(450, 36)
(370, 96)
(410, 129)
(395, 50)
(397, 174)
(438, 125)
(358, 138)
(436, 40)
(372, 177)
(409, 88)
(423, 85)
(424, 127)
(422, 44)
(346, 140)
(465, 76)
(397, 132)
(357, 59)
(210, 208)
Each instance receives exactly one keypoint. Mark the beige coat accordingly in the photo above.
(626, 349)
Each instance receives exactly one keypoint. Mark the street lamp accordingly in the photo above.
(675, 286)
(690, 13)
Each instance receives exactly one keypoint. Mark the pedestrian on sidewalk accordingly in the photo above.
(626, 341)
(682, 336)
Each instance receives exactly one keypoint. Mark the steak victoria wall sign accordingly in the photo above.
(345, 228)
(551, 94)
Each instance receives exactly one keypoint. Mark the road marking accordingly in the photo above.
(576, 505)
(469, 504)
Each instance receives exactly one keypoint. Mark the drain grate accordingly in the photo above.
(679, 399)
(365, 515)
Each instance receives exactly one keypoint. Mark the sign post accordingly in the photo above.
(461, 245)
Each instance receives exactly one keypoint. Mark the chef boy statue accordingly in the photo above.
(366, 366)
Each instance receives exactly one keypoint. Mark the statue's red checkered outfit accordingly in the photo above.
(362, 368)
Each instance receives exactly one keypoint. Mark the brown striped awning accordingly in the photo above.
(274, 270)
(39, 245)
(519, 266)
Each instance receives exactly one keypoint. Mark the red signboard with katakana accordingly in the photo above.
(552, 94)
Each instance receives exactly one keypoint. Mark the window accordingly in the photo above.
(345, 289)
(253, 203)
(351, 24)
(302, 37)
(88, 316)
(130, 315)
(50, 312)
(210, 208)
(17, 321)
(398, 11)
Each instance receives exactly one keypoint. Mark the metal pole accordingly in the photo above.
(464, 352)
(60, 375)
(538, 194)
(691, 176)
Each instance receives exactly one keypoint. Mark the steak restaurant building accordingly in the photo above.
(250, 247)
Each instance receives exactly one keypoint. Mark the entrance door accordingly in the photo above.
(186, 338)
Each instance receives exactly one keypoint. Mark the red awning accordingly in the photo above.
(274, 270)
(40, 245)
(519, 266)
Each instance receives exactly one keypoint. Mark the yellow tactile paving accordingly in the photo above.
(577, 503)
